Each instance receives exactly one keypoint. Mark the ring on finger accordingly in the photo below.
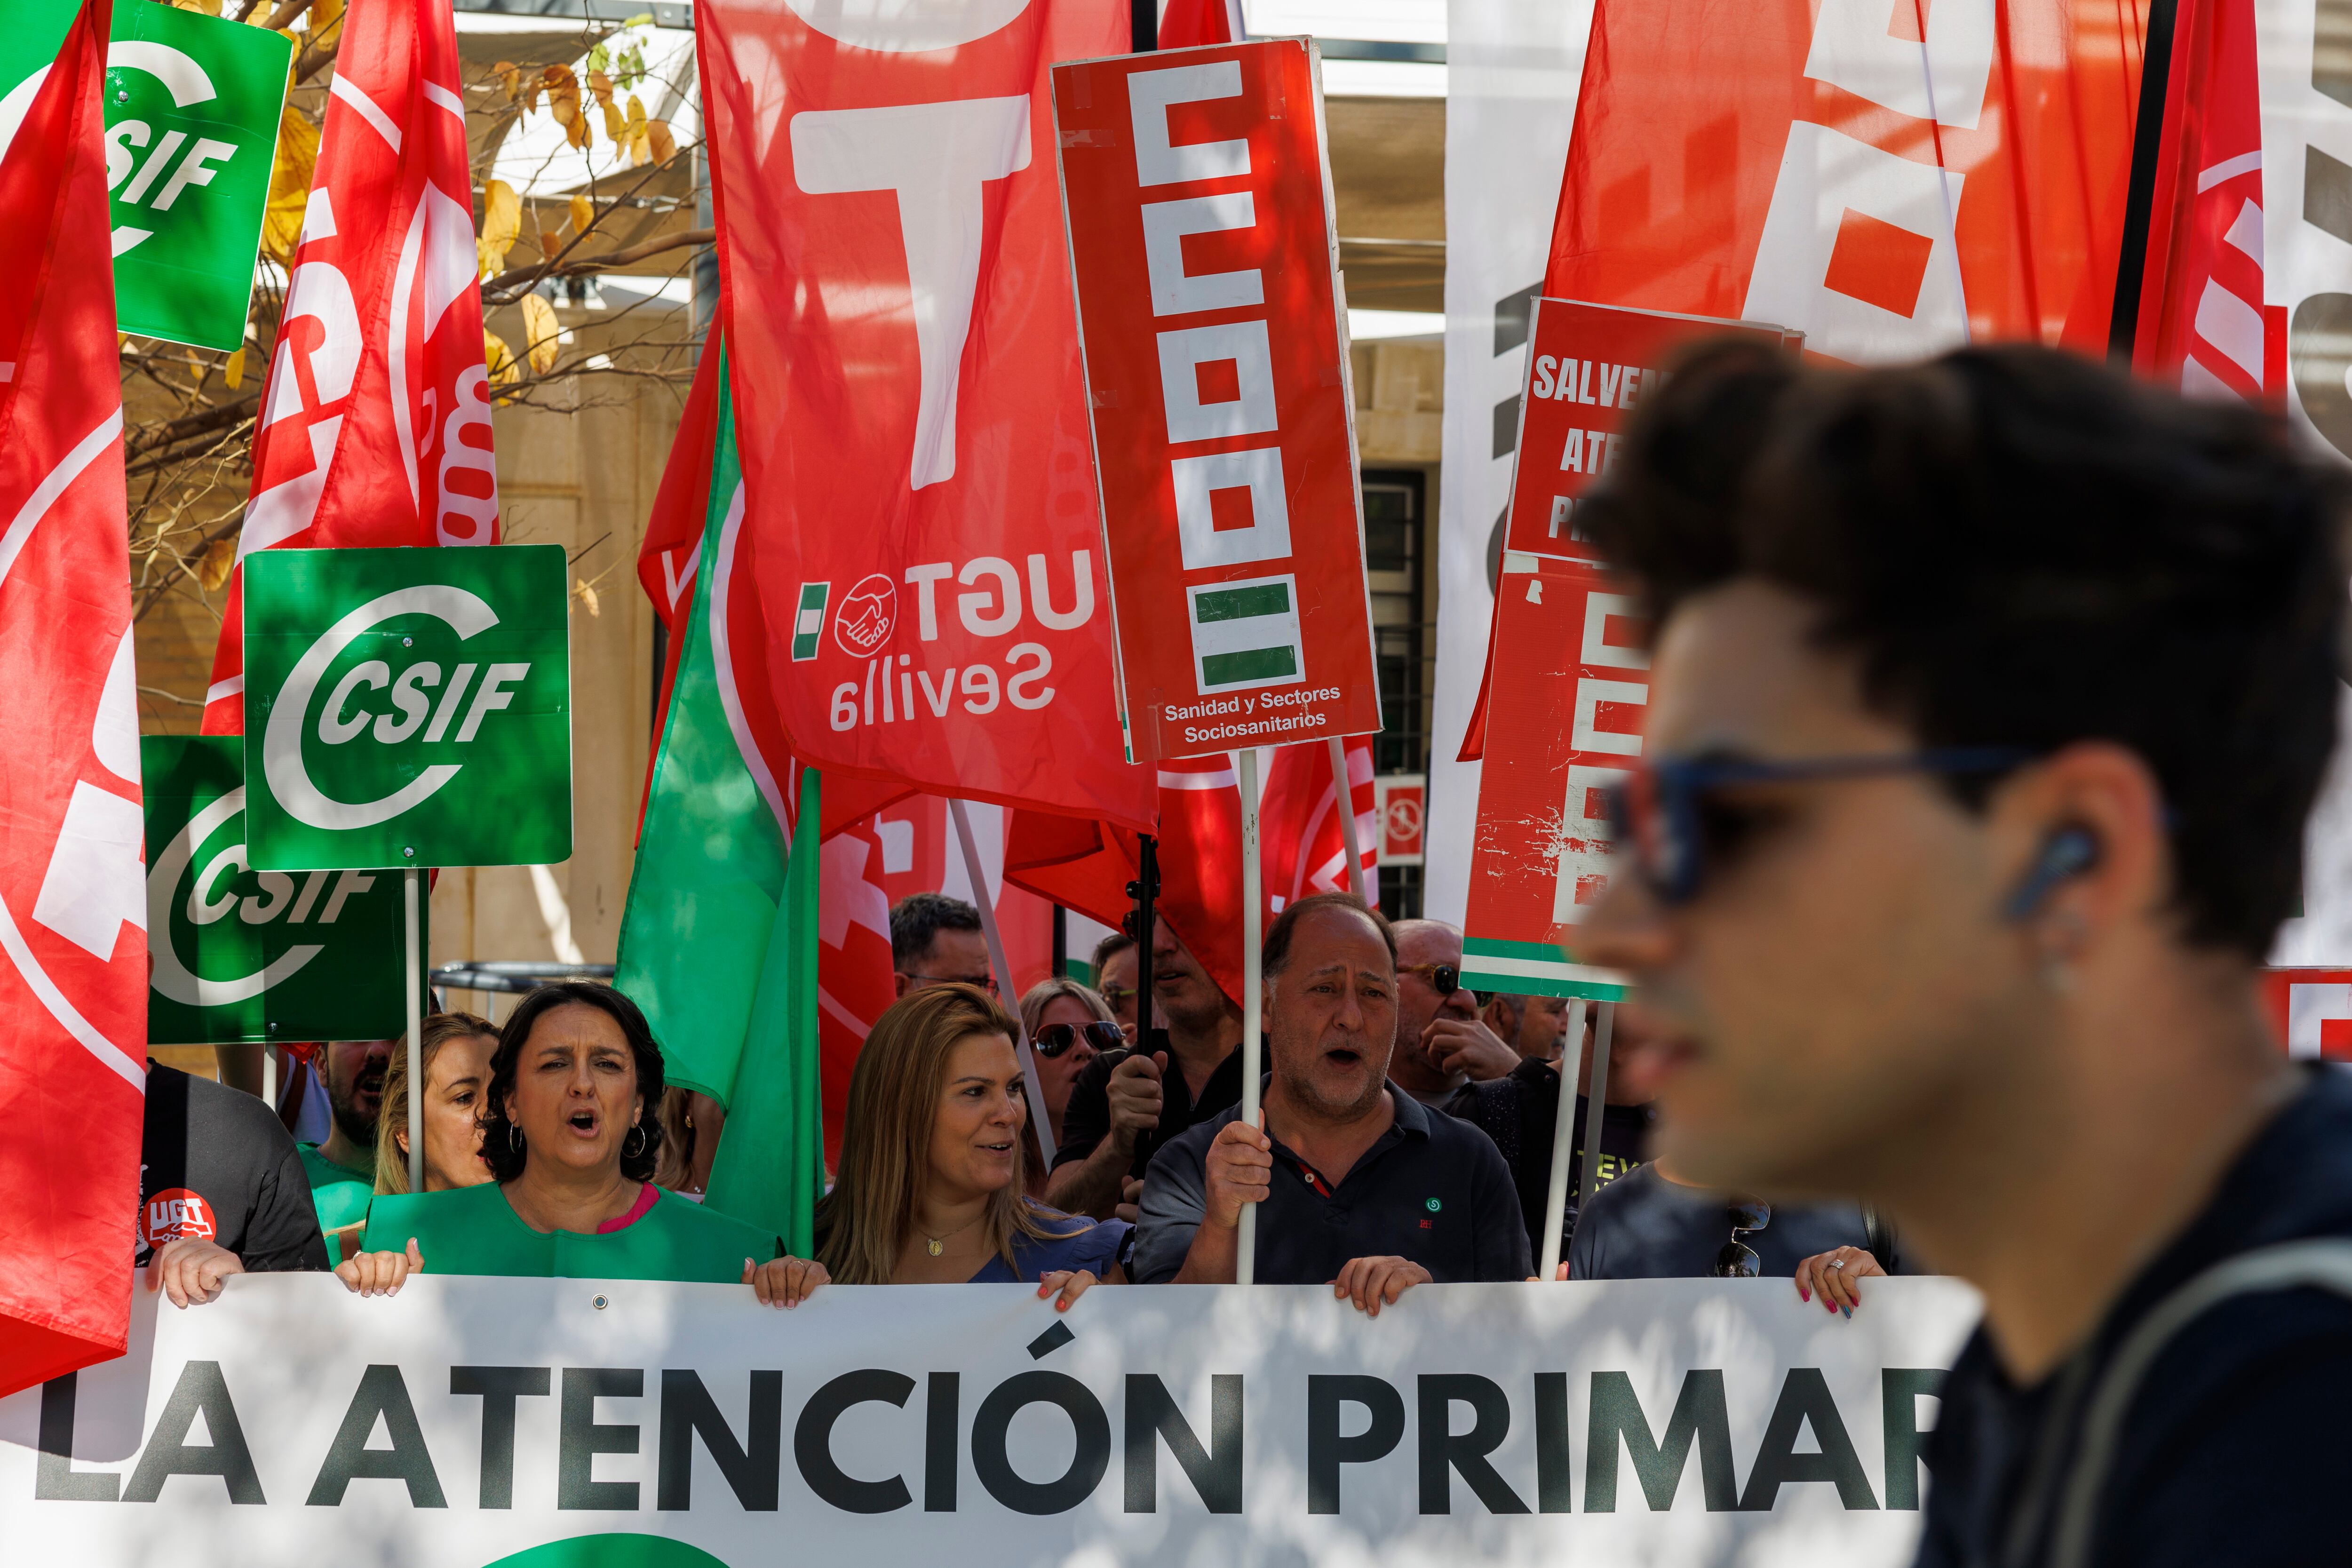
(1837, 1263)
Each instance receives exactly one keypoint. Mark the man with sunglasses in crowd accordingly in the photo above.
(1125, 1104)
(937, 940)
(1988, 697)
(1441, 1043)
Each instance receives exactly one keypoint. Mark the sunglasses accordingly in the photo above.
(1666, 819)
(1117, 996)
(1735, 1260)
(1056, 1039)
(1445, 979)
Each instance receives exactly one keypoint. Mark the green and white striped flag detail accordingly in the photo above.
(808, 622)
(1247, 633)
(710, 941)
(1534, 968)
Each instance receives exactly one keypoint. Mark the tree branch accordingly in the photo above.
(521, 279)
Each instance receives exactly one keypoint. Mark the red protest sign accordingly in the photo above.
(1565, 723)
(1589, 366)
(2310, 1011)
(1200, 237)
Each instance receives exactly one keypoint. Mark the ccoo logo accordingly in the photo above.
(867, 612)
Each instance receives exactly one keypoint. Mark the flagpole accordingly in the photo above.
(1346, 798)
(1253, 993)
(1563, 1145)
(412, 970)
(1596, 1106)
(1039, 1121)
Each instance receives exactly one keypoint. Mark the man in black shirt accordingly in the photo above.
(1358, 1185)
(1520, 1112)
(1123, 1105)
(221, 1189)
(1988, 697)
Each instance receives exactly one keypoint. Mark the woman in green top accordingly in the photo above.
(571, 1131)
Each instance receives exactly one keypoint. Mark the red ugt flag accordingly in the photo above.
(912, 415)
(73, 897)
(375, 425)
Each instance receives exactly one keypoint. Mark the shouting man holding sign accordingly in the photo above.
(1989, 698)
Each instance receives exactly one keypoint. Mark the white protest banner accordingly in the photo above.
(1199, 204)
(473, 1421)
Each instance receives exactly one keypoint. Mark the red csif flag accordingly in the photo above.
(912, 416)
(73, 897)
(375, 422)
(2201, 324)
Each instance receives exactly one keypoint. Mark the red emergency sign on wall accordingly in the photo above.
(1201, 245)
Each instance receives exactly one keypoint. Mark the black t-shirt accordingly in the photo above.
(1644, 1227)
(1520, 1112)
(1085, 1117)
(2233, 1451)
(218, 1164)
(1431, 1188)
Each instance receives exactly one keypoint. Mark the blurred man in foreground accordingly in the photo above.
(341, 1168)
(1989, 698)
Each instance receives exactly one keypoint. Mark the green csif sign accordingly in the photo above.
(240, 955)
(191, 111)
(407, 708)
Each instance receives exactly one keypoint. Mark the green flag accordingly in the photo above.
(718, 941)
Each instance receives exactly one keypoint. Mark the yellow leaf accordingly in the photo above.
(289, 186)
(233, 373)
(540, 331)
(509, 76)
(584, 213)
(602, 86)
(208, 8)
(635, 133)
(586, 594)
(659, 141)
(326, 18)
(499, 360)
(219, 560)
(502, 225)
(616, 129)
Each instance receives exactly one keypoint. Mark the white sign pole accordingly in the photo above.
(1563, 1144)
(1596, 1107)
(413, 975)
(1253, 993)
(1039, 1122)
(1346, 801)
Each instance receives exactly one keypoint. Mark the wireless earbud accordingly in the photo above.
(2069, 852)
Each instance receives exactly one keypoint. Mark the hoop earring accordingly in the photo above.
(638, 1132)
(514, 1138)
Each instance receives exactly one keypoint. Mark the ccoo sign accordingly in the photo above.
(407, 708)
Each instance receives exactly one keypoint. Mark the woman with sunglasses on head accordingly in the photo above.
(571, 1132)
(930, 1190)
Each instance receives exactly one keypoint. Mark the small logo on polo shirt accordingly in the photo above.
(1434, 1206)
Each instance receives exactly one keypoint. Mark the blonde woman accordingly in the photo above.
(1068, 1026)
(929, 1189)
(455, 1048)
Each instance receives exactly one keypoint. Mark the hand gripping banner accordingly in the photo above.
(896, 305)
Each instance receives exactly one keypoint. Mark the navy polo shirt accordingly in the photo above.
(1432, 1188)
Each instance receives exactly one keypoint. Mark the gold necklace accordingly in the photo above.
(937, 1244)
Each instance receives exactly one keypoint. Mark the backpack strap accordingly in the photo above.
(2326, 1265)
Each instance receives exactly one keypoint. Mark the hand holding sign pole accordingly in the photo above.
(1198, 203)
(408, 708)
